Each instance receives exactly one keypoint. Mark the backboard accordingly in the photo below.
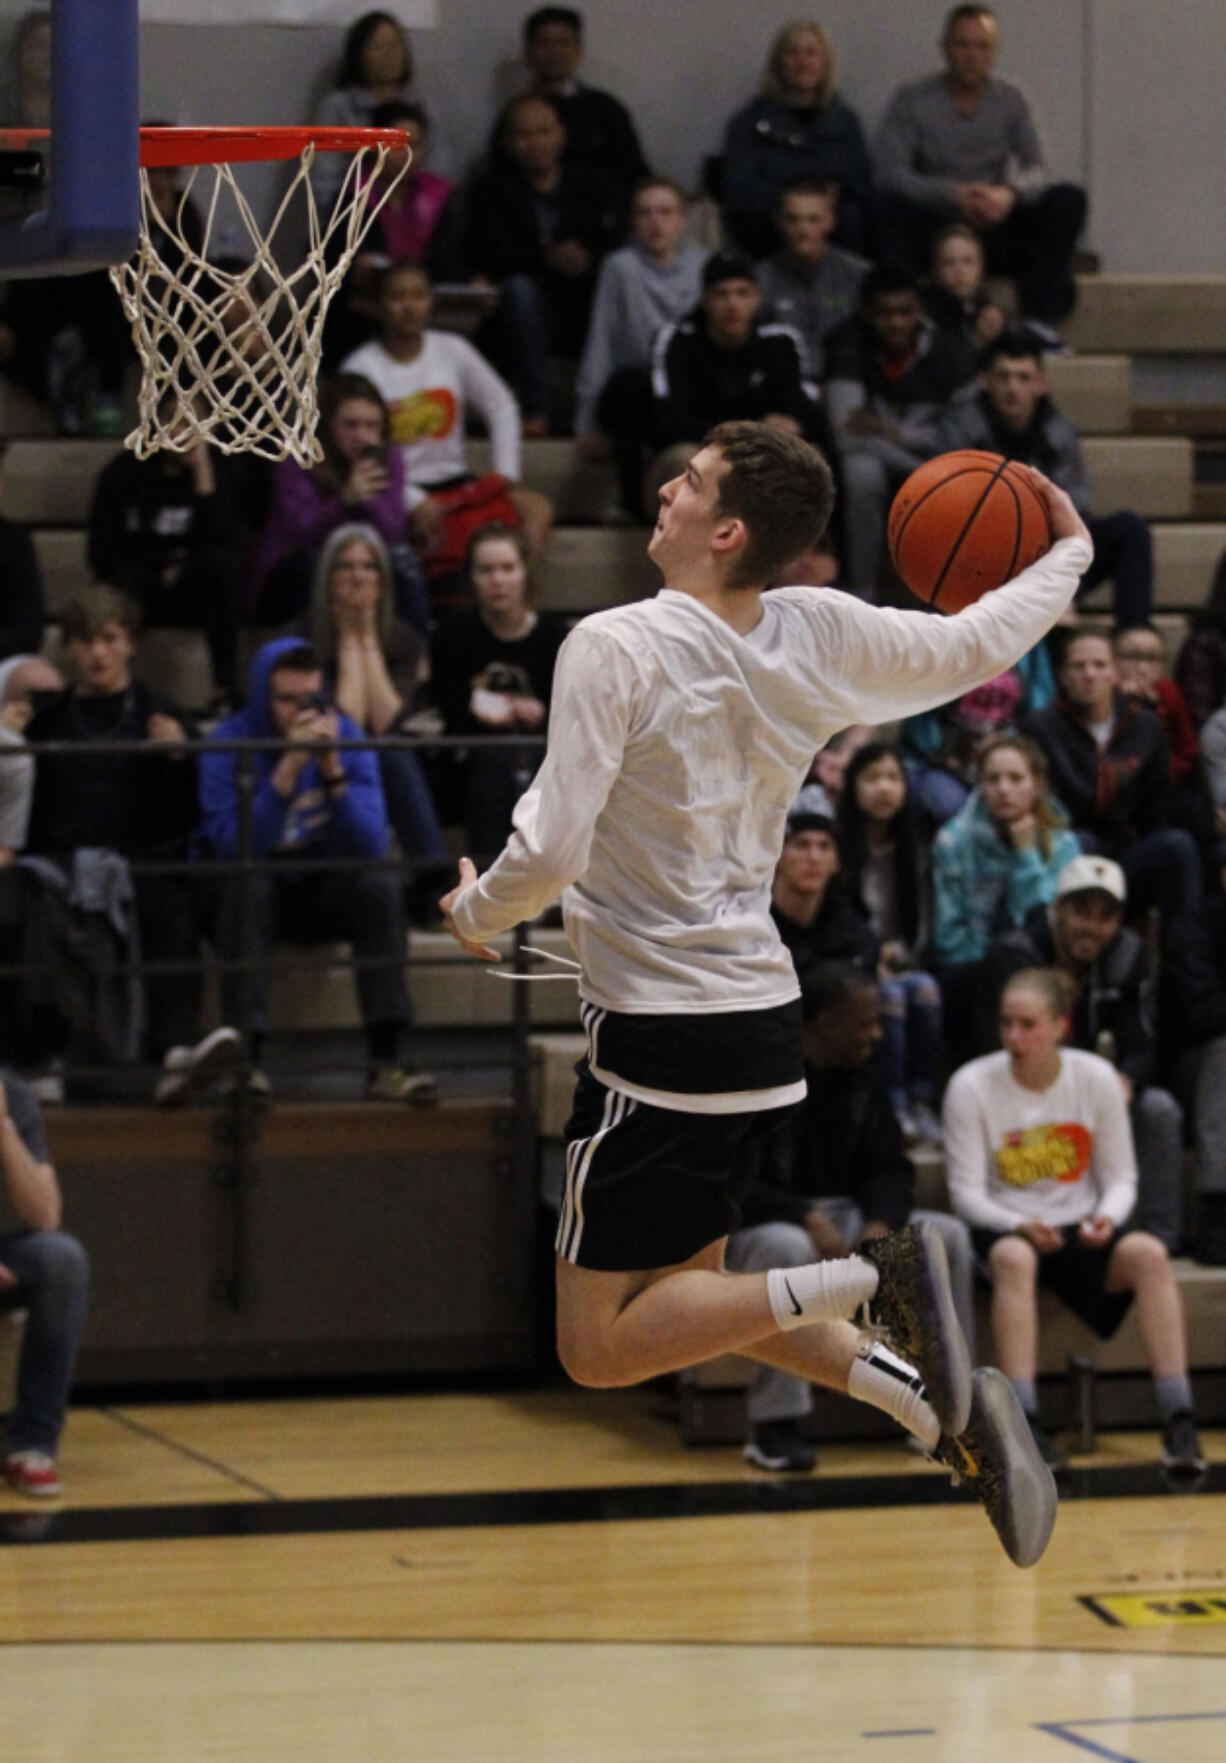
(91, 218)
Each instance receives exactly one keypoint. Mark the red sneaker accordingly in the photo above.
(33, 1473)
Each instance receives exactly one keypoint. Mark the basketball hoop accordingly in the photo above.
(230, 355)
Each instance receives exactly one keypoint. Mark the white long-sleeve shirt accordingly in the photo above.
(427, 401)
(1052, 1156)
(676, 747)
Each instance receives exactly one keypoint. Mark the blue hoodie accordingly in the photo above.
(313, 821)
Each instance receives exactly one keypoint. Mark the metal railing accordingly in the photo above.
(239, 1109)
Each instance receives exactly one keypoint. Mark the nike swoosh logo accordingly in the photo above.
(796, 1309)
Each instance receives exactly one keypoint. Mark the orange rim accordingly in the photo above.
(218, 146)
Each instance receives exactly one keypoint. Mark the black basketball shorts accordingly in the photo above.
(649, 1187)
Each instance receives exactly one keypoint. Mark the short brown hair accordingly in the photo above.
(780, 486)
(93, 607)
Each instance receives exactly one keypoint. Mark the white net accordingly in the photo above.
(231, 348)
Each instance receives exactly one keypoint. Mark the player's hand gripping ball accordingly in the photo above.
(965, 523)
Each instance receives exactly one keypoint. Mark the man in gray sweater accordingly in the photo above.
(963, 146)
(653, 281)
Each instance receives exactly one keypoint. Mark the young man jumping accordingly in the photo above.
(682, 728)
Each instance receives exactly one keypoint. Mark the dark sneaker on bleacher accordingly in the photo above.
(776, 1446)
(915, 1307)
(997, 1458)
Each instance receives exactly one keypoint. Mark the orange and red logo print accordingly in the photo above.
(1045, 1153)
(425, 416)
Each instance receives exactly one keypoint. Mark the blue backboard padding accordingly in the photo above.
(92, 218)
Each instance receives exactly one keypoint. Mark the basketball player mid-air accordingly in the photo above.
(680, 731)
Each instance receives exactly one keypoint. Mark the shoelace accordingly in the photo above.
(572, 973)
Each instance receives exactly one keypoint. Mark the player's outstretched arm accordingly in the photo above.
(468, 876)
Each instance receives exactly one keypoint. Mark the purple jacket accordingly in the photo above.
(303, 513)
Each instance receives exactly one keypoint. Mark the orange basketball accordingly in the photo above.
(965, 523)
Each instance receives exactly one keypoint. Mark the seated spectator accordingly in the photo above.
(1012, 413)
(961, 145)
(408, 217)
(310, 801)
(45, 1272)
(653, 281)
(22, 678)
(168, 531)
(839, 1176)
(1002, 853)
(493, 674)
(361, 477)
(942, 747)
(24, 615)
(1041, 1166)
(376, 66)
(956, 297)
(797, 127)
(810, 284)
(1108, 761)
(374, 665)
(723, 365)
(600, 133)
(889, 374)
(808, 902)
(822, 790)
(92, 808)
(536, 227)
(1083, 934)
(1200, 670)
(1140, 662)
(886, 870)
(432, 382)
(411, 203)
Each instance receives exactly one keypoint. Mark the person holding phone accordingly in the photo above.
(360, 478)
(313, 799)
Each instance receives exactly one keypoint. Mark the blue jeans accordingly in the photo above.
(519, 342)
(53, 1274)
(410, 806)
(911, 1035)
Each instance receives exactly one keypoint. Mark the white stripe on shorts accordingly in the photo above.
(579, 1155)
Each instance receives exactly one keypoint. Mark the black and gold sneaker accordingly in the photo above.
(996, 1457)
(914, 1306)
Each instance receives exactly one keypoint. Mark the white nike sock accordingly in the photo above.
(885, 1381)
(822, 1291)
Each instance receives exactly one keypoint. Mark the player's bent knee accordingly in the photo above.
(588, 1362)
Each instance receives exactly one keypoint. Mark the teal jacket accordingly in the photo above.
(982, 886)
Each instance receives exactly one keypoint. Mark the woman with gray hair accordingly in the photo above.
(375, 663)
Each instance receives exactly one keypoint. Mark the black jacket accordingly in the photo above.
(1119, 794)
(695, 383)
(843, 1141)
(139, 804)
(838, 933)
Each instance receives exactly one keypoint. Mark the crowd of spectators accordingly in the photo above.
(1070, 817)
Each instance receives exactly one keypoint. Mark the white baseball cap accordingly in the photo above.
(1086, 873)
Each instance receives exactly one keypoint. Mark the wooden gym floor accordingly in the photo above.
(549, 1575)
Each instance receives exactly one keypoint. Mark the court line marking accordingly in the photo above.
(1062, 1729)
(194, 1456)
(903, 1732)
